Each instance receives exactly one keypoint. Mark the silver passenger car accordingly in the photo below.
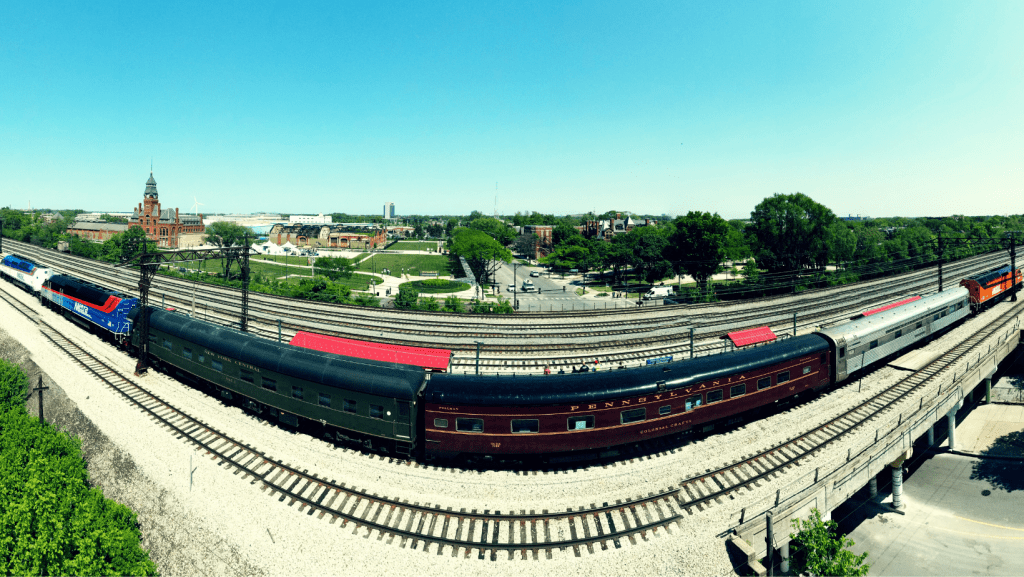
(861, 342)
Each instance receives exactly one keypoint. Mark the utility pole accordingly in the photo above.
(40, 388)
(478, 343)
(1013, 266)
(770, 538)
(941, 246)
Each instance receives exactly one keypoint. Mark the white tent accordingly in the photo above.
(288, 248)
(268, 248)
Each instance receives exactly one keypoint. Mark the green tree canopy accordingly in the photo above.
(333, 267)
(698, 245)
(645, 248)
(479, 249)
(789, 231)
(525, 244)
(225, 234)
(819, 549)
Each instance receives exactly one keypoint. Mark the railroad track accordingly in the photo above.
(699, 491)
(430, 528)
(526, 344)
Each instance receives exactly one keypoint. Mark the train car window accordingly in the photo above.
(714, 396)
(349, 406)
(899, 333)
(325, 400)
(187, 353)
(441, 423)
(665, 410)
(469, 425)
(821, 359)
(842, 352)
(202, 358)
(525, 426)
(633, 415)
(580, 423)
(764, 383)
(782, 377)
(168, 345)
(217, 366)
(269, 384)
(737, 390)
(693, 402)
(959, 306)
(376, 412)
(807, 370)
(919, 323)
(296, 392)
(403, 409)
(936, 317)
(873, 344)
(246, 376)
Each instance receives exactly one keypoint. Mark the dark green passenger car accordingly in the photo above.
(370, 402)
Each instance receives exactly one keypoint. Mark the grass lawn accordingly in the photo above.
(299, 260)
(414, 245)
(413, 263)
(452, 287)
(356, 281)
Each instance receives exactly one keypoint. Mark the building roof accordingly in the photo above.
(434, 359)
(99, 225)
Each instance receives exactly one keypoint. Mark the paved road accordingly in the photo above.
(555, 293)
(965, 516)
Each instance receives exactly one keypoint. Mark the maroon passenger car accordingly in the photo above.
(561, 413)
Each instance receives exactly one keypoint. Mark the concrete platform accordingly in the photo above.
(992, 430)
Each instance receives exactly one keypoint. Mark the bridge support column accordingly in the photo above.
(951, 423)
(896, 468)
(931, 435)
(873, 487)
(988, 389)
(784, 550)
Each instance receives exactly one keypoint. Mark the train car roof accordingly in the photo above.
(434, 359)
(862, 327)
(569, 389)
(366, 376)
(67, 280)
(23, 259)
(989, 277)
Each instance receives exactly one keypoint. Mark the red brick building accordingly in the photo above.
(166, 226)
(329, 235)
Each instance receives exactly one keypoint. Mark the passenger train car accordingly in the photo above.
(90, 305)
(390, 406)
(24, 272)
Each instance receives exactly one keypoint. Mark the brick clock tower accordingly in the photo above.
(164, 226)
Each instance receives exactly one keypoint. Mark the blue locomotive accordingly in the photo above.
(24, 272)
(84, 303)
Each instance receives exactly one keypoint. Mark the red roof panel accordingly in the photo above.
(892, 306)
(434, 359)
(752, 336)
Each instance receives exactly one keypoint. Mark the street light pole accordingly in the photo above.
(515, 285)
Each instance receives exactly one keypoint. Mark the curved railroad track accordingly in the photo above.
(412, 525)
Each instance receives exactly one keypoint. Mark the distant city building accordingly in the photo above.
(389, 210)
(49, 217)
(852, 218)
(352, 236)
(166, 226)
(607, 229)
(544, 238)
(400, 231)
(309, 219)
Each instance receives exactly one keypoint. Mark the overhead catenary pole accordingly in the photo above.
(940, 260)
(770, 541)
(1013, 266)
(478, 343)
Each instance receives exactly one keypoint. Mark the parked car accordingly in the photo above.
(511, 287)
(658, 292)
(534, 274)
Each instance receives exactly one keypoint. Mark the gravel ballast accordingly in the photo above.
(221, 523)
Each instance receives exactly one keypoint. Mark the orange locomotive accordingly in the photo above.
(988, 285)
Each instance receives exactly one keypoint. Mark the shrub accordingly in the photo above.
(51, 521)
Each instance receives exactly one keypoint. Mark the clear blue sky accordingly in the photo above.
(880, 108)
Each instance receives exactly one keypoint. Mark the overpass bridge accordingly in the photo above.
(824, 482)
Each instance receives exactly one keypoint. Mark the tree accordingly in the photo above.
(789, 231)
(126, 246)
(842, 243)
(646, 253)
(497, 230)
(480, 250)
(225, 234)
(407, 298)
(818, 548)
(452, 304)
(525, 244)
(563, 233)
(333, 267)
(698, 245)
